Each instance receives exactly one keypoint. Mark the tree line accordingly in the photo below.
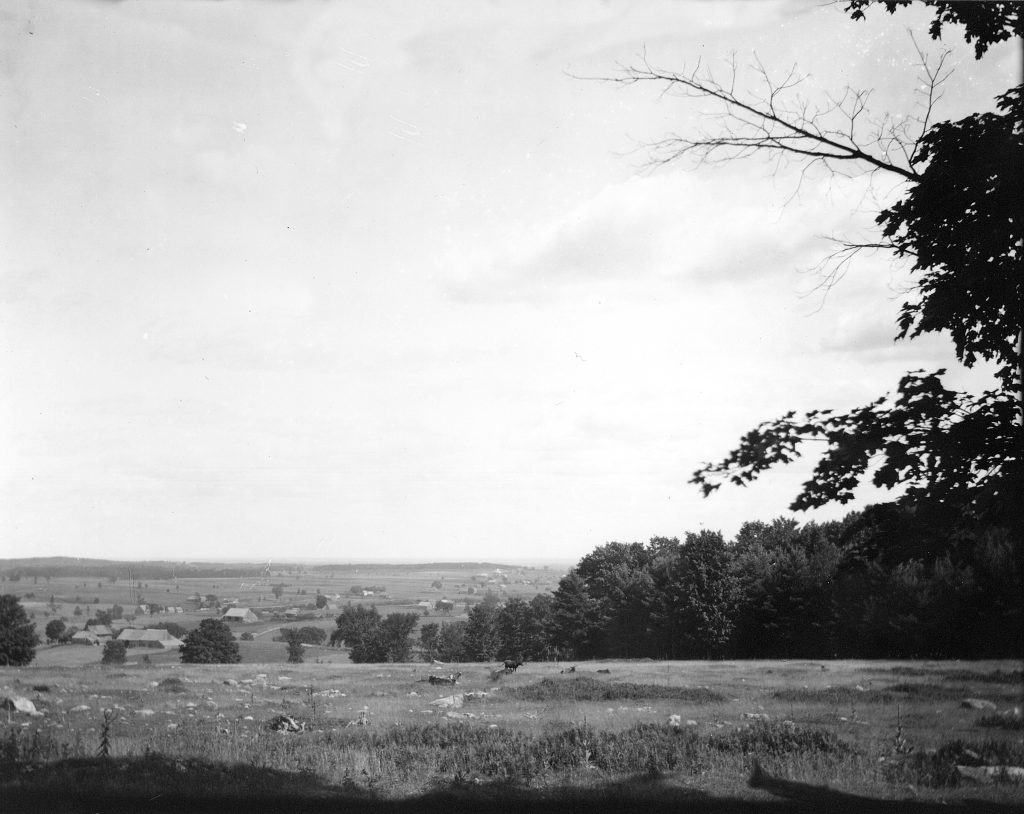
(881, 583)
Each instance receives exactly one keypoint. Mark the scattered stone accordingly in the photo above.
(474, 695)
(690, 722)
(17, 703)
(414, 694)
(231, 682)
(80, 708)
(977, 703)
(606, 672)
(757, 716)
(454, 701)
(145, 713)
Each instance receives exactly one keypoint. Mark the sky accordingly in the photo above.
(385, 280)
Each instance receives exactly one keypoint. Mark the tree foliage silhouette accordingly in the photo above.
(210, 643)
(18, 638)
(960, 223)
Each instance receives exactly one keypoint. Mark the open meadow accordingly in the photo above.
(383, 733)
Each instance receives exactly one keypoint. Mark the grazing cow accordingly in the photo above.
(449, 679)
(512, 666)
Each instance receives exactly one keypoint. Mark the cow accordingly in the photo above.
(512, 666)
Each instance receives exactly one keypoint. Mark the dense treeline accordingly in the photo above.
(882, 583)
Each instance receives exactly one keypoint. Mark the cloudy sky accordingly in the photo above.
(362, 280)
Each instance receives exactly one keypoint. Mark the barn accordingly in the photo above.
(239, 615)
(162, 639)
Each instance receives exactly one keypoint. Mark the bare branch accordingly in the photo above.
(775, 118)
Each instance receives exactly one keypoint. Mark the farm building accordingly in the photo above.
(133, 637)
(239, 615)
(102, 632)
(87, 637)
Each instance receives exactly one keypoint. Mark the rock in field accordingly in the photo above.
(18, 704)
(977, 703)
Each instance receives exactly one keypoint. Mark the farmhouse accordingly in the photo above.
(87, 637)
(133, 637)
(239, 615)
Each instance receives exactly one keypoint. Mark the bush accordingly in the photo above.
(247, 637)
(18, 637)
(114, 652)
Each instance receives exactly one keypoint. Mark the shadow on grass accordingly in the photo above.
(158, 784)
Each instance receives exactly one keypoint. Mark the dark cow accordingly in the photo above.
(512, 666)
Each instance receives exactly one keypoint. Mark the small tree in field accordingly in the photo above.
(210, 643)
(18, 637)
(114, 652)
(55, 630)
(294, 642)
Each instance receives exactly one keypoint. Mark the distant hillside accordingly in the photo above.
(140, 569)
(165, 569)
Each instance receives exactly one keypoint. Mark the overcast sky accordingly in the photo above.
(359, 280)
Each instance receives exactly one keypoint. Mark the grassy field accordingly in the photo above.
(893, 731)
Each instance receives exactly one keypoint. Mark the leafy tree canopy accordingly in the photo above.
(959, 222)
(18, 638)
(210, 643)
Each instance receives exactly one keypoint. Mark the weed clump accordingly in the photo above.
(172, 684)
(1004, 721)
(931, 692)
(834, 696)
(937, 768)
(995, 677)
(777, 739)
(584, 688)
